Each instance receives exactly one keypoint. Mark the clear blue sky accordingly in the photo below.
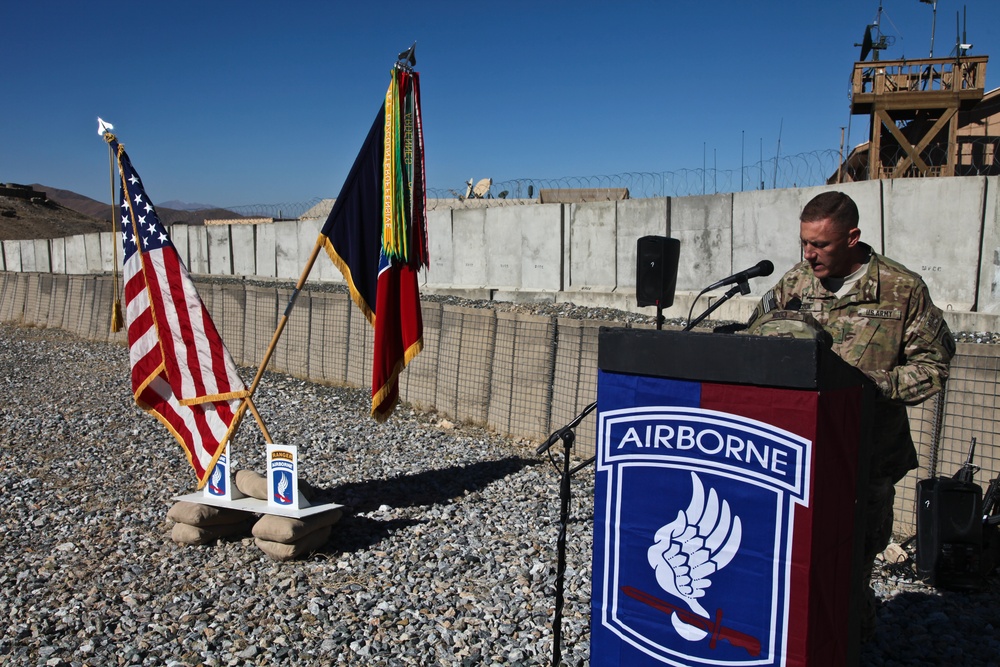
(251, 102)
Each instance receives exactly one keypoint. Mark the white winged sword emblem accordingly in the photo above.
(687, 551)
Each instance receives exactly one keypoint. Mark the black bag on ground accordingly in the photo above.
(950, 533)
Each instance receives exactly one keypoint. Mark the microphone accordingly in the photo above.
(763, 268)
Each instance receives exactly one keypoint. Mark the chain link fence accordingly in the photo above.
(519, 374)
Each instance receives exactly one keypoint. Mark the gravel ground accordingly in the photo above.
(447, 556)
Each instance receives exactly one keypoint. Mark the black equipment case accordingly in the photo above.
(950, 533)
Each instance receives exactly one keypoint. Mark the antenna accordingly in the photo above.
(873, 40)
(866, 43)
(933, 4)
(964, 46)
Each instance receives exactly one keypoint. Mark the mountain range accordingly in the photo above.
(102, 210)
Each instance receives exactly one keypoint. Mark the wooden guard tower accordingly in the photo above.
(913, 106)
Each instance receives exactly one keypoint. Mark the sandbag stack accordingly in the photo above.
(195, 523)
(285, 538)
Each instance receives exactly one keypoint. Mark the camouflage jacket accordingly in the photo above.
(886, 326)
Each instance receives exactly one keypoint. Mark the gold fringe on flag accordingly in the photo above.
(117, 319)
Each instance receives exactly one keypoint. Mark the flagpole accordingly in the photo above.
(258, 419)
(117, 319)
(284, 318)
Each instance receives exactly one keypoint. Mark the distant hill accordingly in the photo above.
(185, 206)
(102, 210)
(36, 218)
(65, 213)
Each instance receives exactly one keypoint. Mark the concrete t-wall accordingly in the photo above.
(468, 234)
(988, 295)
(942, 242)
(946, 229)
(593, 247)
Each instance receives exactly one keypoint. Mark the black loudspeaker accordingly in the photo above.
(950, 533)
(656, 270)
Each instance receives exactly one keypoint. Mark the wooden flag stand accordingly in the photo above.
(282, 460)
(283, 494)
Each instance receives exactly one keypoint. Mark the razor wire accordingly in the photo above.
(975, 156)
(790, 171)
(280, 211)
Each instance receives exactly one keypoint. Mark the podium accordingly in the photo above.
(727, 513)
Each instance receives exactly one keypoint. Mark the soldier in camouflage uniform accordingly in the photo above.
(882, 321)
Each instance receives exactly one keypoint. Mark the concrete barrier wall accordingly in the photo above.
(944, 228)
(441, 272)
(12, 255)
(198, 250)
(111, 250)
(942, 241)
(57, 253)
(704, 226)
(287, 262)
(265, 247)
(179, 237)
(592, 247)
(988, 295)
(468, 233)
(220, 256)
(244, 248)
(92, 253)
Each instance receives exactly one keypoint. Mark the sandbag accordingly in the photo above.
(183, 533)
(198, 514)
(252, 484)
(275, 528)
(281, 552)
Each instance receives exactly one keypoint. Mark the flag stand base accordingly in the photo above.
(258, 506)
(283, 495)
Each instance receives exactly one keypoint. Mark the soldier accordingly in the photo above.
(882, 321)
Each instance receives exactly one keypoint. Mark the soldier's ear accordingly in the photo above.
(853, 236)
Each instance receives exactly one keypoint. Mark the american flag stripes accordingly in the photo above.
(181, 370)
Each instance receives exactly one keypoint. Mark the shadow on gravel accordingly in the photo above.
(430, 487)
(936, 627)
(357, 533)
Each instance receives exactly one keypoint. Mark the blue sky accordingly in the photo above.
(240, 103)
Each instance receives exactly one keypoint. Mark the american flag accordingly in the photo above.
(181, 370)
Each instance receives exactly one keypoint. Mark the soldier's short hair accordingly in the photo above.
(836, 206)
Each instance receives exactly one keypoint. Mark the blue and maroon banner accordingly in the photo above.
(376, 234)
(705, 551)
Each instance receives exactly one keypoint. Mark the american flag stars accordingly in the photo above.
(147, 233)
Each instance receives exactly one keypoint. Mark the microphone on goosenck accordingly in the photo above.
(763, 268)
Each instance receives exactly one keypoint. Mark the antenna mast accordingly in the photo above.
(933, 4)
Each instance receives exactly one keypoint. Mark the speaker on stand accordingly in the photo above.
(656, 259)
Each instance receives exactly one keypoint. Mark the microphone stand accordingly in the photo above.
(743, 287)
(568, 437)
